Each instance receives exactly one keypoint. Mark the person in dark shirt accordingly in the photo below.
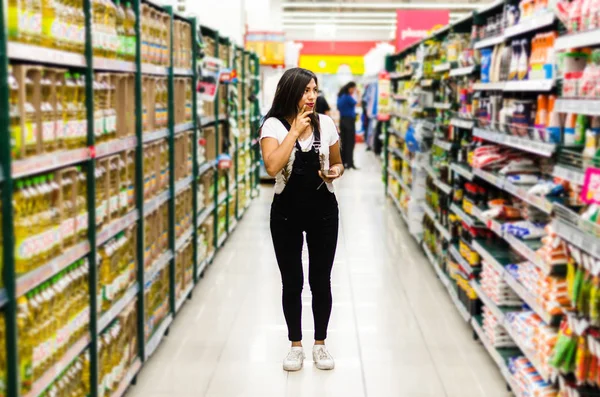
(322, 105)
(346, 105)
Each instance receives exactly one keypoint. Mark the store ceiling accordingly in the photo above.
(357, 19)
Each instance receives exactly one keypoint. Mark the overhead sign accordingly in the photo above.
(332, 63)
(415, 25)
(269, 46)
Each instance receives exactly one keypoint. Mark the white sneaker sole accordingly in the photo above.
(323, 367)
(292, 369)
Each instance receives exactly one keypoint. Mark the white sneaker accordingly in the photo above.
(294, 360)
(322, 358)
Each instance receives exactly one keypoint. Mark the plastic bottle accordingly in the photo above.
(17, 17)
(59, 115)
(33, 23)
(591, 139)
(569, 137)
(70, 111)
(111, 23)
(581, 126)
(574, 18)
(31, 126)
(98, 30)
(120, 29)
(15, 116)
(51, 32)
(25, 347)
(99, 107)
(523, 66)
(81, 111)
(541, 116)
(110, 112)
(130, 21)
(48, 115)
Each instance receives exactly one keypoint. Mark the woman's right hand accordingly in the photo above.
(301, 122)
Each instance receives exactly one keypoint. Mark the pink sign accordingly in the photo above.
(414, 25)
(590, 194)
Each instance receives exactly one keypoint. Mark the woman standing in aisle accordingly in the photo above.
(346, 105)
(301, 150)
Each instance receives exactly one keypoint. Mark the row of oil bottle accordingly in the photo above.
(50, 210)
(48, 110)
(55, 314)
(60, 24)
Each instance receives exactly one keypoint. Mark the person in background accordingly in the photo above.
(322, 105)
(301, 150)
(346, 105)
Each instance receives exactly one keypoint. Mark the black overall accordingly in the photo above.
(305, 206)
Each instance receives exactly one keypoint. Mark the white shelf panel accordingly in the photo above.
(577, 40)
(465, 71)
(527, 145)
(530, 24)
(589, 107)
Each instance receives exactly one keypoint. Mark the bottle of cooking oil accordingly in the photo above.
(35, 20)
(99, 100)
(82, 212)
(20, 219)
(55, 216)
(130, 20)
(113, 181)
(16, 18)
(110, 110)
(15, 115)
(69, 114)
(51, 34)
(130, 181)
(48, 120)
(59, 111)
(98, 27)
(79, 20)
(123, 185)
(120, 28)
(31, 126)
(81, 111)
(110, 20)
(25, 347)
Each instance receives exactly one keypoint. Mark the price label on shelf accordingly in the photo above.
(590, 194)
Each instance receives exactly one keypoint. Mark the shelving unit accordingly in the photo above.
(103, 224)
(477, 254)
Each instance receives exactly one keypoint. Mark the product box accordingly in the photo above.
(207, 181)
(211, 144)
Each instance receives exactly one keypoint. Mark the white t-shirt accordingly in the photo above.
(273, 128)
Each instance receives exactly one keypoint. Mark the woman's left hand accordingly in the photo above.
(334, 173)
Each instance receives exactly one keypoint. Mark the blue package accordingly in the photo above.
(486, 64)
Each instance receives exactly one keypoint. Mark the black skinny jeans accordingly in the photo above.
(321, 239)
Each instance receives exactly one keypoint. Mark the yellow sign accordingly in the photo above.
(332, 63)
(269, 47)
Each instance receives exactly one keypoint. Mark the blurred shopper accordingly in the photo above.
(301, 150)
(346, 105)
(322, 105)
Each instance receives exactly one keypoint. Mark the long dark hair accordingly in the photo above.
(290, 91)
(346, 89)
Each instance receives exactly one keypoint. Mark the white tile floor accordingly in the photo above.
(393, 331)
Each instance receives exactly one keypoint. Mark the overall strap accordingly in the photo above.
(316, 133)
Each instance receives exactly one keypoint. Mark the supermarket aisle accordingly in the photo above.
(394, 331)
